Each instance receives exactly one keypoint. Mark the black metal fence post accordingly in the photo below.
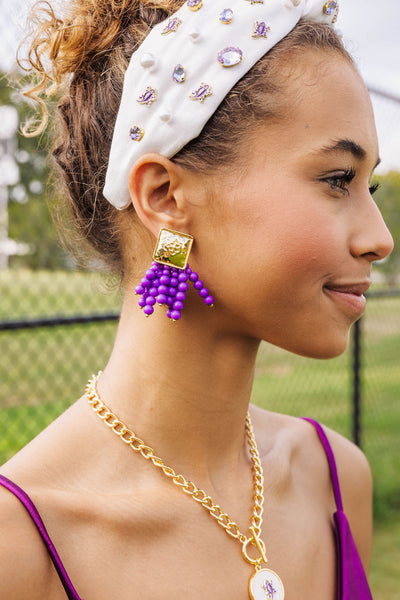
(356, 423)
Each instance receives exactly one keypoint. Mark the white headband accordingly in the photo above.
(178, 76)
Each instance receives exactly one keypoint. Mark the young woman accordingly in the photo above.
(245, 125)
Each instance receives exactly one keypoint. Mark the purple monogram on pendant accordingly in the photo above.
(148, 97)
(260, 30)
(171, 26)
(201, 93)
(269, 589)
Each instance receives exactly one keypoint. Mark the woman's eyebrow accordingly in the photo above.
(346, 145)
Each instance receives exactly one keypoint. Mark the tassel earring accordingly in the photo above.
(167, 280)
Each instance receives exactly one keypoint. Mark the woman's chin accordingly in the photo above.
(321, 348)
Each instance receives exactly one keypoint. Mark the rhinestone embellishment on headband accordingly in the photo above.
(149, 96)
(202, 92)
(229, 57)
(260, 30)
(179, 74)
(171, 26)
(331, 8)
(136, 133)
(226, 16)
(195, 4)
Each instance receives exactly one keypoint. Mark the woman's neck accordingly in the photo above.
(183, 388)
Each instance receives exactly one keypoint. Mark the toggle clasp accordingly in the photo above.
(258, 543)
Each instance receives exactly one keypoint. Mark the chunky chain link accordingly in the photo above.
(199, 495)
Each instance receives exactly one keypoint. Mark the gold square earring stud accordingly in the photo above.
(173, 248)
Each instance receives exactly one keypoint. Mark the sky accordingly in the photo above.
(371, 33)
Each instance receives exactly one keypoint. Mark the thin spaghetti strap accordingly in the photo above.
(32, 510)
(331, 461)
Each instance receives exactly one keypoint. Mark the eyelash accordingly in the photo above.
(345, 179)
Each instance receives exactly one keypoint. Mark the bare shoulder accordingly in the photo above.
(24, 564)
(356, 486)
(300, 440)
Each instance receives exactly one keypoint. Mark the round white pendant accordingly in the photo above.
(266, 585)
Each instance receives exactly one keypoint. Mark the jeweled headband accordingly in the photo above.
(184, 69)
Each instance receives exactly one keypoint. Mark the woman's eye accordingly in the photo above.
(341, 181)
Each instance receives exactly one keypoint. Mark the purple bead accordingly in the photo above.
(164, 280)
(181, 296)
(156, 283)
(153, 292)
(198, 284)
(169, 312)
(146, 282)
(175, 315)
(161, 299)
(173, 282)
(209, 300)
(183, 277)
(170, 301)
(182, 287)
(203, 292)
(178, 305)
(193, 276)
(150, 274)
(172, 291)
(150, 301)
(163, 289)
(148, 310)
(166, 272)
(142, 302)
(156, 265)
(188, 270)
(139, 289)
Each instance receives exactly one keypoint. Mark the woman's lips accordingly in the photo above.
(349, 295)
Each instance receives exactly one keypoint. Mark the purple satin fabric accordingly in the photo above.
(351, 579)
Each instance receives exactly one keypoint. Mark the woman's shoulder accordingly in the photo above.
(24, 564)
(307, 455)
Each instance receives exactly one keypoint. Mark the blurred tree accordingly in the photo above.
(30, 220)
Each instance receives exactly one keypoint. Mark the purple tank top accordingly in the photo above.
(351, 579)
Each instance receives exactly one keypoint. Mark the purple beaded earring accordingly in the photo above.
(166, 282)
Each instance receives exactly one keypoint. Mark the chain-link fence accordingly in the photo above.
(57, 324)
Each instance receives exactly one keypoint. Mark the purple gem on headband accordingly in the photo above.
(229, 57)
(226, 16)
(148, 97)
(195, 4)
(260, 30)
(330, 8)
(179, 74)
(136, 133)
(171, 26)
(202, 92)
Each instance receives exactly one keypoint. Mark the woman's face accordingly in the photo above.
(288, 244)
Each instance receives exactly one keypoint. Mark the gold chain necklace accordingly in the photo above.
(264, 584)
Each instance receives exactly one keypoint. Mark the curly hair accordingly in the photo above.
(82, 58)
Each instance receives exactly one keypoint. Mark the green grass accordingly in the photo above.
(385, 573)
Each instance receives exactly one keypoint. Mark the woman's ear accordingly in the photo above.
(156, 186)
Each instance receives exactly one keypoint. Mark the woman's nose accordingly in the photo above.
(372, 239)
